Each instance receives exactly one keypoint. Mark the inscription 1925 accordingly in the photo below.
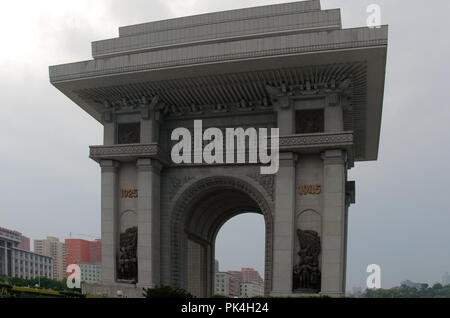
(128, 193)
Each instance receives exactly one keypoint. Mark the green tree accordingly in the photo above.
(403, 291)
(43, 283)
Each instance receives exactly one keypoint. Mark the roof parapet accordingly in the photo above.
(230, 15)
(220, 31)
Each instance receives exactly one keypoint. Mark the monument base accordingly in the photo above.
(305, 294)
(117, 290)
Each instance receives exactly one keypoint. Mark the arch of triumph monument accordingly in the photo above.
(289, 66)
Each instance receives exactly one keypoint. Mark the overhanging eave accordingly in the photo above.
(371, 50)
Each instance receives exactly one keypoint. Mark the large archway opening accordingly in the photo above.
(239, 253)
(200, 212)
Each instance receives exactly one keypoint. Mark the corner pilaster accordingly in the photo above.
(151, 117)
(284, 106)
(334, 114)
(148, 179)
(283, 233)
(109, 208)
(334, 235)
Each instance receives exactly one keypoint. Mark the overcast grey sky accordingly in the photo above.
(49, 185)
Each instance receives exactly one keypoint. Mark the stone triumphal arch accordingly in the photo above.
(288, 66)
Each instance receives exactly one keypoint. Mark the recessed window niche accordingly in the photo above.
(310, 121)
(129, 133)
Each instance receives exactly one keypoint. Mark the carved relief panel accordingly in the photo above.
(308, 249)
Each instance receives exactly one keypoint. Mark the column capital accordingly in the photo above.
(151, 109)
(288, 159)
(280, 97)
(109, 165)
(288, 156)
(145, 164)
(336, 156)
(283, 103)
(333, 99)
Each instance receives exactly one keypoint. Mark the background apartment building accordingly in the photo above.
(90, 272)
(51, 246)
(24, 244)
(18, 262)
(222, 284)
(249, 290)
(78, 251)
(23, 241)
(245, 283)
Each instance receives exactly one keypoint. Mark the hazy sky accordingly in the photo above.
(49, 186)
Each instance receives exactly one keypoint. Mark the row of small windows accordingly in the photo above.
(26, 263)
(12, 236)
(89, 271)
(30, 277)
(34, 257)
(26, 267)
(26, 270)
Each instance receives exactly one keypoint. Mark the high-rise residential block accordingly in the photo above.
(52, 247)
(79, 251)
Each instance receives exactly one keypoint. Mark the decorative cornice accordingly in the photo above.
(316, 140)
(125, 152)
(241, 93)
(317, 143)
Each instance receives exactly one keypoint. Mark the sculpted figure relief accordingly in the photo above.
(307, 275)
(128, 255)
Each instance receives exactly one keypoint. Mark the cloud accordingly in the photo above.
(123, 13)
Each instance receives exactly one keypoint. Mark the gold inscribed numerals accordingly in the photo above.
(309, 189)
(128, 193)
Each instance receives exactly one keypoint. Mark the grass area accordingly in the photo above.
(9, 291)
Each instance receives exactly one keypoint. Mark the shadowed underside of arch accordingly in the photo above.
(197, 217)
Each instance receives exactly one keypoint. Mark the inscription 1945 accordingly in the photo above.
(128, 194)
(309, 189)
